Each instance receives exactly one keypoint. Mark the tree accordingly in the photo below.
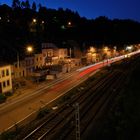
(22, 4)
(39, 5)
(34, 6)
(27, 4)
(15, 4)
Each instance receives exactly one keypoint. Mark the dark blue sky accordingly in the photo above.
(122, 9)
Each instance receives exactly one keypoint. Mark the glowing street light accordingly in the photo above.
(29, 49)
(34, 20)
(69, 23)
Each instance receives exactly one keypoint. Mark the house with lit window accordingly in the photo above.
(53, 55)
(5, 79)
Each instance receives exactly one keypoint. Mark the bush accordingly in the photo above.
(2, 98)
(8, 94)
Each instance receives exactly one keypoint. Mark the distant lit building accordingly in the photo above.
(77, 52)
(48, 52)
(5, 78)
(91, 55)
(53, 55)
(62, 53)
(38, 61)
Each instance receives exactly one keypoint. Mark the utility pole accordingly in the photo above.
(18, 61)
(77, 118)
(70, 53)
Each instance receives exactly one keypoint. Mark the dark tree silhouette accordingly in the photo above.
(15, 4)
(18, 28)
(27, 4)
(23, 4)
(34, 6)
(39, 5)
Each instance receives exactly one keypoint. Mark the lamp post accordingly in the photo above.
(17, 60)
(30, 64)
(29, 49)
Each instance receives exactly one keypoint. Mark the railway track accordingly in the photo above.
(55, 121)
(93, 105)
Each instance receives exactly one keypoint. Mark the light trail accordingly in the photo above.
(108, 61)
(85, 70)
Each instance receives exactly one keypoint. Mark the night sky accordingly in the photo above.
(122, 9)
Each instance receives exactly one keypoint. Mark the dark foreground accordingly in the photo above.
(122, 120)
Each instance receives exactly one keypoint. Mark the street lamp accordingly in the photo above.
(34, 20)
(17, 60)
(29, 49)
(69, 23)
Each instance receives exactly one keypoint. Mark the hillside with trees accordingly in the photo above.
(28, 23)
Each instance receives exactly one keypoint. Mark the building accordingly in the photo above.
(5, 78)
(77, 52)
(91, 55)
(48, 51)
(38, 61)
(53, 55)
(60, 57)
(19, 71)
(30, 65)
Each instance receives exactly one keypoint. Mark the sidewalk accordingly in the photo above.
(33, 86)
